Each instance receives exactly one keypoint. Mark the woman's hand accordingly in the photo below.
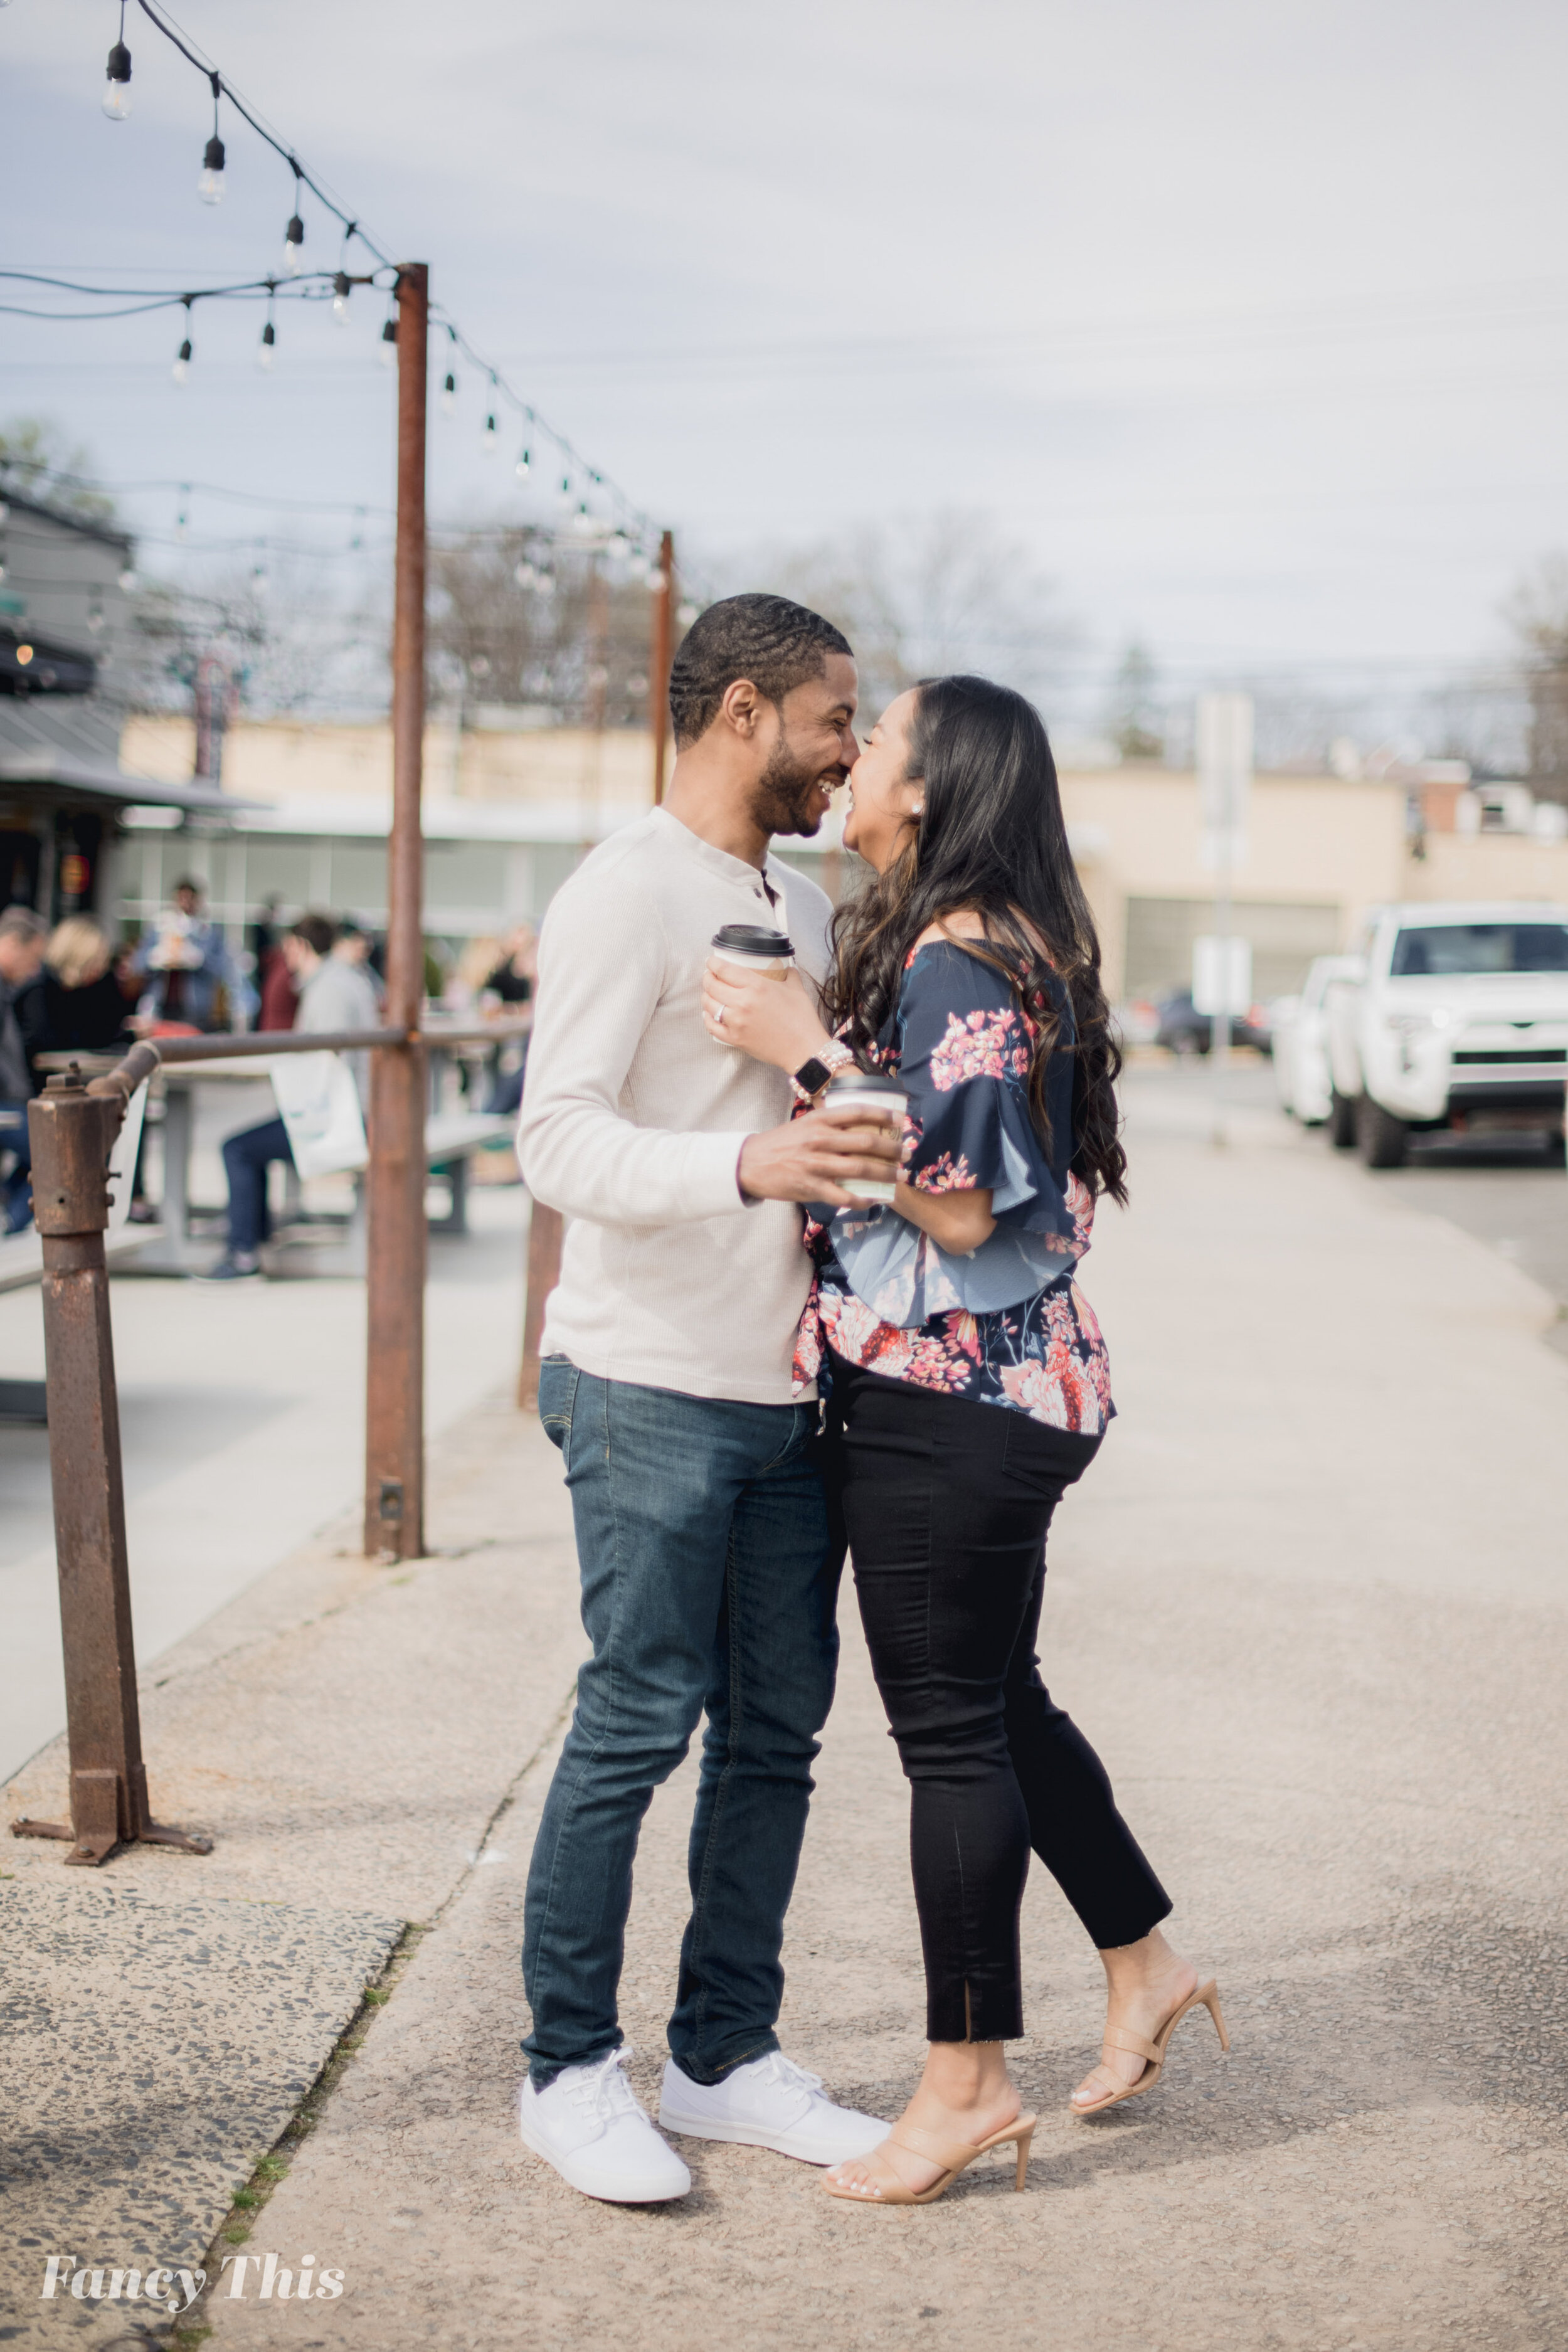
(775, 1021)
(956, 1221)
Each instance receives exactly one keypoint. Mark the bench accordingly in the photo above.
(451, 1138)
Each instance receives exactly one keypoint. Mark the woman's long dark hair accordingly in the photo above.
(993, 839)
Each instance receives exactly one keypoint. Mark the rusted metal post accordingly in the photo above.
(544, 1227)
(658, 659)
(72, 1134)
(394, 1376)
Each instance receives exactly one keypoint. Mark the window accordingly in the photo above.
(1443, 951)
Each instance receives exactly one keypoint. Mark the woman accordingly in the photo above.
(970, 1386)
(76, 1005)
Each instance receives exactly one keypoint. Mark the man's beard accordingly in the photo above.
(784, 799)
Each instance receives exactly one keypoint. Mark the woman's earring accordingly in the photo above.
(918, 809)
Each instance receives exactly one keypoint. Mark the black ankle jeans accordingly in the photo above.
(945, 1504)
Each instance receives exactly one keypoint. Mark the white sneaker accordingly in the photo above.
(590, 2126)
(769, 2103)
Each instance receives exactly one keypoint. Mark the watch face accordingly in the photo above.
(813, 1075)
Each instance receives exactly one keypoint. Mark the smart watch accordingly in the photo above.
(813, 1075)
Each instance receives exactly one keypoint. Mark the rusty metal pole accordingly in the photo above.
(544, 1229)
(395, 1375)
(658, 659)
(72, 1134)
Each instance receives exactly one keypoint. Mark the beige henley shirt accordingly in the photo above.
(633, 1120)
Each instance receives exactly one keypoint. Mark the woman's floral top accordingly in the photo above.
(1005, 1324)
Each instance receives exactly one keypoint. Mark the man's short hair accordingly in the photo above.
(21, 923)
(316, 931)
(774, 644)
(188, 882)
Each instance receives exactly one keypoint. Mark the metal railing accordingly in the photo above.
(73, 1127)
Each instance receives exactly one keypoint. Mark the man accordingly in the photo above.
(333, 995)
(708, 1583)
(192, 979)
(23, 936)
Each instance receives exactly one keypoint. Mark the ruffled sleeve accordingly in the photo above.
(962, 1048)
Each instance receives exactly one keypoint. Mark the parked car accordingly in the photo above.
(1185, 1030)
(1299, 1027)
(1459, 1021)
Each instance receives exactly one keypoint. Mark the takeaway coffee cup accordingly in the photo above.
(880, 1097)
(752, 949)
(747, 948)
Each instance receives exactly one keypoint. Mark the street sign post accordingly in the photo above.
(1224, 785)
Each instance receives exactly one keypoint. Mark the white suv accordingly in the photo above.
(1455, 1017)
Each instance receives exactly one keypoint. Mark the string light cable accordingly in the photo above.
(586, 484)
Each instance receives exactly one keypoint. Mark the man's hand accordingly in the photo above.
(818, 1156)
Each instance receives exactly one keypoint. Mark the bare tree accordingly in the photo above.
(1137, 723)
(925, 596)
(1538, 614)
(519, 617)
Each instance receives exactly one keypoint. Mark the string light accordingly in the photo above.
(489, 437)
(117, 105)
(294, 234)
(210, 187)
(117, 92)
(183, 357)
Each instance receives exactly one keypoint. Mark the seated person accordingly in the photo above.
(333, 995)
(190, 979)
(76, 1005)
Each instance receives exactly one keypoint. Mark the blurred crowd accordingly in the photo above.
(72, 990)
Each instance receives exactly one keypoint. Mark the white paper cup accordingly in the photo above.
(743, 949)
(875, 1096)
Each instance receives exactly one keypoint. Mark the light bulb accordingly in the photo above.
(116, 95)
(210, 186)
(95, 619)
(340, 290)
(490, 436)
(448, 394)
(524, 574)
(268, 349)
(686, 614)
(180, 526)
(565, 493)
(183, 362)
(293, 238)
(583, 521)
(656, 582)
(522, 465)
(127, 580)
(389, 344)
(545, 585)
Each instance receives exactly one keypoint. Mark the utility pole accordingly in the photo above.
(395, 1375)
(663, 586)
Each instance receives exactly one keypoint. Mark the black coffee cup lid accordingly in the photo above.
(746, 938)
(865, 1082)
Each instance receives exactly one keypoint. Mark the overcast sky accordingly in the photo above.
(1252, 321)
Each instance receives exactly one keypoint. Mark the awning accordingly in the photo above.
(66, 772)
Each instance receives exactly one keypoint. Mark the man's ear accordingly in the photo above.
(741, 708)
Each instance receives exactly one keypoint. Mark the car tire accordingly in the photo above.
(1383, 1138)
(1341, 1121)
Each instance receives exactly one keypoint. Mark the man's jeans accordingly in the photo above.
(708, 1583)
(247, 1158)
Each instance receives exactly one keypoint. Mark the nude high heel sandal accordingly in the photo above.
(954, 2155)
(1119, 2038)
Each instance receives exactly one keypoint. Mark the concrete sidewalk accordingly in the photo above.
(1310, 1605)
